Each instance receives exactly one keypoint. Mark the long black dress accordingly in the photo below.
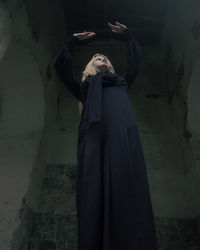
(113, 201)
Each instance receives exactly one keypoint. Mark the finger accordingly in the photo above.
(90, 35)
(112, 26)
(82, 33)
(121, 25)
(78, 34)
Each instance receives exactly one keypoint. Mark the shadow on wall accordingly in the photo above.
(22, 120)
(193, 113)
(193, 118)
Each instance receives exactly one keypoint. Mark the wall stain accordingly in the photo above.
(153, 95)
(187, 134)
(59, 116)
(48, 74)
(176, 77)
(34, 23)
(196, 29)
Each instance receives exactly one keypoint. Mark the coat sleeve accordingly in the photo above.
(133, 56)
(63, 66)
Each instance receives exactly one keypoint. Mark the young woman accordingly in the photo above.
(113, 201)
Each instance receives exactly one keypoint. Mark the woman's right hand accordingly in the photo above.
(84, 35)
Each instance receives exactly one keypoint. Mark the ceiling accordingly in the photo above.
(144, 17)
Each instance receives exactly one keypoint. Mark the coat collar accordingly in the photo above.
(93, 104)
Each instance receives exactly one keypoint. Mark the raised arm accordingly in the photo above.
(133, 58)
(63, 61)
(63, 66)
(133, 51)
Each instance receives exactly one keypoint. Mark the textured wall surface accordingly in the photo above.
(56, 226)
(182, 54)
(24, 74)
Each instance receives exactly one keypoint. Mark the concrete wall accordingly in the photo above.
(22, 118)
(26, 42)
(193, 113)
(193, 91)
(181, 53)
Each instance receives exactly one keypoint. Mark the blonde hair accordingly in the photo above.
(90, 69)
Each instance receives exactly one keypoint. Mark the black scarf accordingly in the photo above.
(91, 91)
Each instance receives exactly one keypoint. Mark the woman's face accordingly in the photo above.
(101, 62)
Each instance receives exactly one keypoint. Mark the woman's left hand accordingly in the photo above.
(118, 28)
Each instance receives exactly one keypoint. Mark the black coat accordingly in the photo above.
(113, 200)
